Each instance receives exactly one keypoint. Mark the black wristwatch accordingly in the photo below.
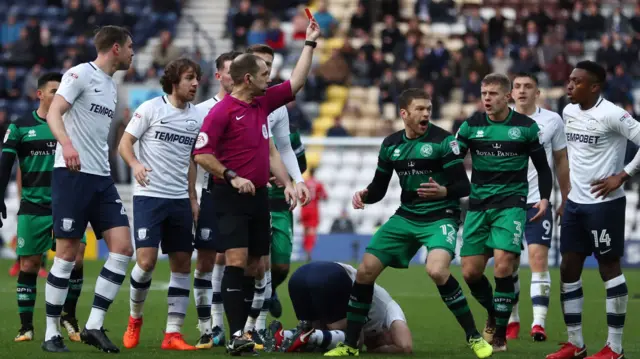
(313, 44)
(229, 175)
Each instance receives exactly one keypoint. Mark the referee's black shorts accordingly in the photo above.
(244, 220)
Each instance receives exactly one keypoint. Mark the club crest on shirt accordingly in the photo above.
(514, 133)
(426, 150)
(265, 133)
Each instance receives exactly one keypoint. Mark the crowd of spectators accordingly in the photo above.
(542, 39)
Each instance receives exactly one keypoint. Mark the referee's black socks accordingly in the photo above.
(357, 312)
(233, 297)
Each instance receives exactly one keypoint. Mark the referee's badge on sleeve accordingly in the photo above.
(202, 140)
(265, 133)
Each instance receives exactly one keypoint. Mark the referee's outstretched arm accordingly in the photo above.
(301, 71)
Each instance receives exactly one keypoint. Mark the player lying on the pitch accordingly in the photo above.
(319, 293)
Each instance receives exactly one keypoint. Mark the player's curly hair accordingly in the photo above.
(174, 71)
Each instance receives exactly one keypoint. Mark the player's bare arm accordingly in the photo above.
(280, 172)
(193, 194)
(301, 71)
(375, 191)
(125, 148)
(59, 106)
(211, 164)
(561, 162)
(545, 181)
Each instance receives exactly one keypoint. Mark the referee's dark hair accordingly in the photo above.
(49, 77)
(408, 95)
(242, 65)
(109, 35)
(174, 70)
(527, 74)
(227, 56)
(260, 49)
(597, 72)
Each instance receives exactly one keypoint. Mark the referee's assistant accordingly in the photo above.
(234, 146)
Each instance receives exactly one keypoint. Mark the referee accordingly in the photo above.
(234, 146)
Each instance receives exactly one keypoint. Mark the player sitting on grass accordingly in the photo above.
(322, 312)
(31, 141)
(433, 179)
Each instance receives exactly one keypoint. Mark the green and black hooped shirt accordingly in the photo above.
(31, 140)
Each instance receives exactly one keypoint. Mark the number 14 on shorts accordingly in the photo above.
(601, 238)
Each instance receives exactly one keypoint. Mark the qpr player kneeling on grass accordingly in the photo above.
(165, 203)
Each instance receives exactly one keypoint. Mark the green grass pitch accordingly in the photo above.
(435, 332)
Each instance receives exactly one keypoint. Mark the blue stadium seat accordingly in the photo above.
(3, 104)
(19, 107)
(21, 72)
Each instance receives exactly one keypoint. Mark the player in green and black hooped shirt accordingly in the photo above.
(31, 141)
(282, 228)
(500, 142)
(433, 179)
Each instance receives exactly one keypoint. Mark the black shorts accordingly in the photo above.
(79, 198)
(244, 220)
(164, 222)
(320, 291)
(596, 229)
(207, 237)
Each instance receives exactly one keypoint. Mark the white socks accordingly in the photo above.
(540, 292)
(617, 298)
(140, 282)
(202, 292)
(572, 301)
(107, 287)
(178, 301)
(217, 308)
(55, 294)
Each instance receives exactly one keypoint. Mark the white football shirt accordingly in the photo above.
(93, 97)
(553, 139)
(204, 108)
(384, 310)
(597, 142)
(166, 135)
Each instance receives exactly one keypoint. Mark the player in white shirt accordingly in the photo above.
(82, 188)
(594, 217)
(322, 311)
(207, 277)
(538, 234)
(165, 202)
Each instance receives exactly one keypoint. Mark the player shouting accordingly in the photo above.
(433, 179)
(500, 141)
